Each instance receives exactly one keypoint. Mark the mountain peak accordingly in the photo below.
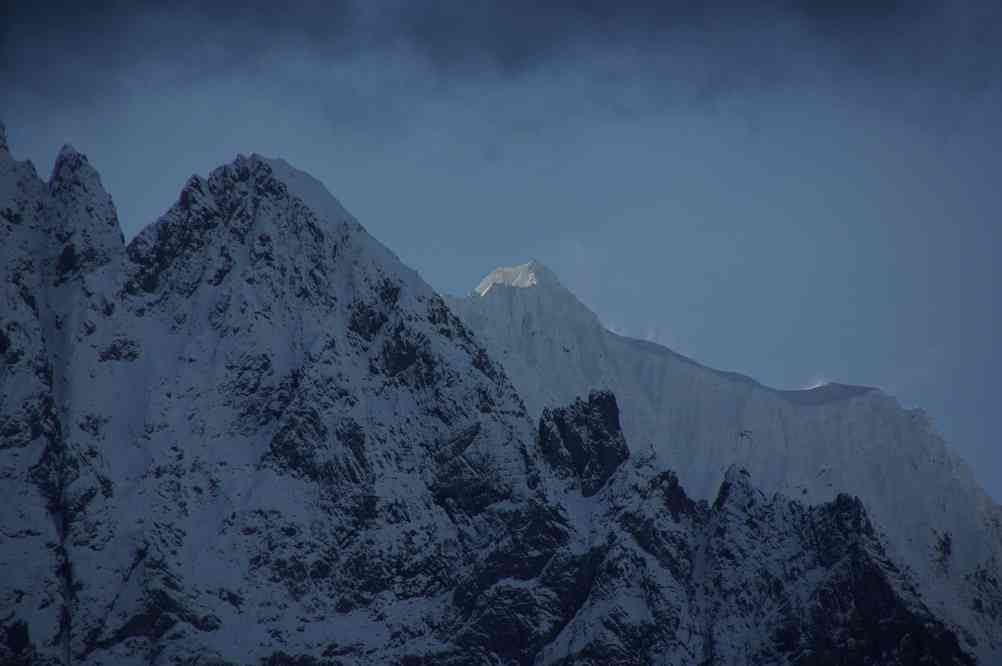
(67, 151)
(530, 274)
(4, 148)
(82, 215)
(72, 170)
(310, 190)
(70, 163)
(534, 295)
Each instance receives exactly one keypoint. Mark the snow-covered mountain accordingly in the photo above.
(252, 436)
(811, 444)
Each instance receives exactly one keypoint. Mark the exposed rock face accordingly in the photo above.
(584, 440)
(252, 436)
(811, 444)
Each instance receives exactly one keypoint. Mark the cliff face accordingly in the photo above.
(252, 436)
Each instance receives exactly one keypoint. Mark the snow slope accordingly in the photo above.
(809, 444)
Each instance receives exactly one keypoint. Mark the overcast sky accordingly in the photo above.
(798, 190)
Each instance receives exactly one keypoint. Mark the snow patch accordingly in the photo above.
(523, 276)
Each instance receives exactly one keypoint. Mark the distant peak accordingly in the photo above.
(530, 274)
(4, 148)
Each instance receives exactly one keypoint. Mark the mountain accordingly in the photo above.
(252, 436)
(811, 444)
(183, 410)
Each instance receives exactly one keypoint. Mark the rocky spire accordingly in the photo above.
(82, 216)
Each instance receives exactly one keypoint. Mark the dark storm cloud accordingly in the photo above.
(74, 51)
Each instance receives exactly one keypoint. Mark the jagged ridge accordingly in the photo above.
(253, 436)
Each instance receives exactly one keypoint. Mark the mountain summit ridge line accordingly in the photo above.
(253, 436)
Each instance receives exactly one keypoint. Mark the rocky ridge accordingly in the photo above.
(252, 436)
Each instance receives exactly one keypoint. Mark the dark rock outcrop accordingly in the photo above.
(584, 440)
